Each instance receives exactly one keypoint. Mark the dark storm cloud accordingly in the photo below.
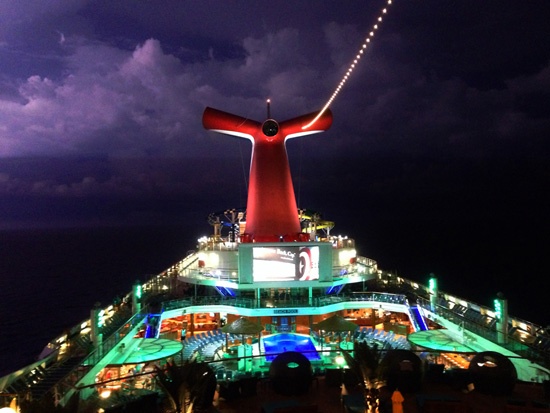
(106, 91)
(52, 192)
(127, 85)
(110, 80)
(137, 103)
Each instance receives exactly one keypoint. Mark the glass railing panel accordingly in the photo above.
(284, 302)
(225, 245)
(366, 261)
(230, 274)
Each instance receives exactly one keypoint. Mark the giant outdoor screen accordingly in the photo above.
(285, 263)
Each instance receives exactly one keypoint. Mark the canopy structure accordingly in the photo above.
(243, 326)
(336, 323)
(440, 340)
(142, 350)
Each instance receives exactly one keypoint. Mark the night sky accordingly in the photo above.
(437, 160)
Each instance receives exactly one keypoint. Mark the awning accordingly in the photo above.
(335, 323)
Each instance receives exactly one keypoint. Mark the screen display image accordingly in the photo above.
(285, 263)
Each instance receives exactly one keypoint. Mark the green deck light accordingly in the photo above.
(498, 308)
(432, 285)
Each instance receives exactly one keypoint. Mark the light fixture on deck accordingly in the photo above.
(105, 394)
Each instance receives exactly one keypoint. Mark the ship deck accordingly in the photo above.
(388, 294)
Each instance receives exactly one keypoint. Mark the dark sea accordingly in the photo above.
(50, 279)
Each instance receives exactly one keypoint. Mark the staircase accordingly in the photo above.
(44, 379)
(113, 323)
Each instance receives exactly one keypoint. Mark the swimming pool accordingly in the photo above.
(279, 343)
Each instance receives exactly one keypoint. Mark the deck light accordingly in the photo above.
(498, 309)
(432, 285)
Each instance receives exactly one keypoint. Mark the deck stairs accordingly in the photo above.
(113, 323)
(81, 343)
(45, 379)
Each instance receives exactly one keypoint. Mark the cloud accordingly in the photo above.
(136, 90)
(343, 42)
(146, 101)
(140, 96)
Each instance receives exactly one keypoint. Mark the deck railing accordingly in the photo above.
(490, 333)
(363, 266)
(286, 302)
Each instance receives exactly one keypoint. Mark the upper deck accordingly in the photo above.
(221, 262)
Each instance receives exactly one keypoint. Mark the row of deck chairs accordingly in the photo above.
(206, 344)
(371, 336)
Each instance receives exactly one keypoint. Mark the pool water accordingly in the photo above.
(279, 343)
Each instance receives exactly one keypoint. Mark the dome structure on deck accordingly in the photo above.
(493, 373)
(291, 373)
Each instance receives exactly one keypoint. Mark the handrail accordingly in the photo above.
(279, 303)
(530, 328)
(231, 274)
(187, 261)
(9, 379)
(523, 349)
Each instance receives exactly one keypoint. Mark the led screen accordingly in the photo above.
(285, 263)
